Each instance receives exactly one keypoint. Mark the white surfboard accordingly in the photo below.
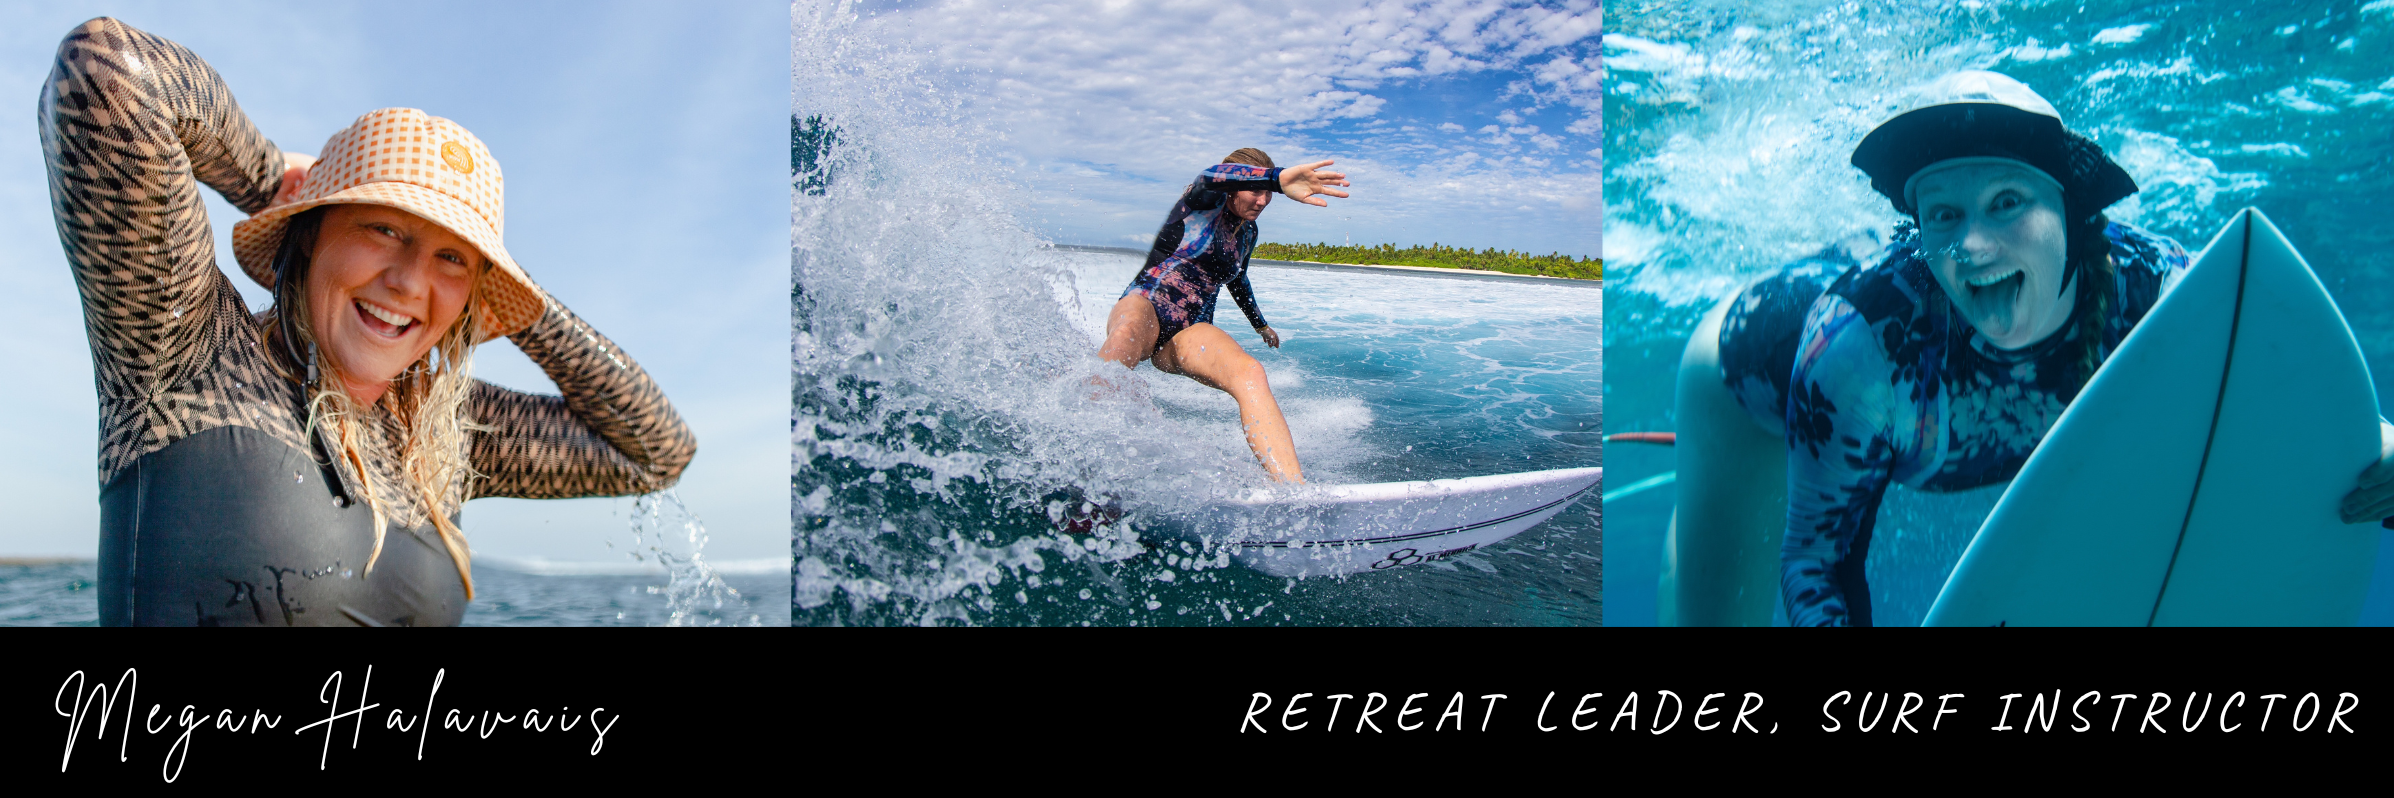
(2196, 479)
(1337, 530)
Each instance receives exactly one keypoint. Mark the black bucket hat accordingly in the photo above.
(1977, 114)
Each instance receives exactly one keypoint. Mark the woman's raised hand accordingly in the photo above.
(295, 176)
(1307, 184)
(2374, 498)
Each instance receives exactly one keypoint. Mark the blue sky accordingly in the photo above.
(645, 146)
(1465, 122)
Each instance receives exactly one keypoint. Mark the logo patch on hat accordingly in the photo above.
(456, 156)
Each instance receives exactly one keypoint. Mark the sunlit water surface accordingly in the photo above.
(660, 578)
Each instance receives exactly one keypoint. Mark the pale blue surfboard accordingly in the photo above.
(2196, 479)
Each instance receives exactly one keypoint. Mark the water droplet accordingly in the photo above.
(346, 573)
(297, 478)
(178, 313)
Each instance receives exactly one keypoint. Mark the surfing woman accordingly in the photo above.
(1939, 362)
(305, 465)
(1167, 314)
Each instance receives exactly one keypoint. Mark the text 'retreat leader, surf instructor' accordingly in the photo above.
(1167, 313)
(304, 466)
(1938, 363)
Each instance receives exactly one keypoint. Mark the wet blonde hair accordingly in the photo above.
(427, 401)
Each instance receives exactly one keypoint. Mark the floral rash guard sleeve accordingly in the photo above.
(1845, 439)
(1889, 386)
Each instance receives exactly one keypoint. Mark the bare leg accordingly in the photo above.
(1207, 354)
(1130, 337)
(1721, 560)
(1130, 331)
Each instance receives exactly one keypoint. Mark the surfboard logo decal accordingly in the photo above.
(1409, 556)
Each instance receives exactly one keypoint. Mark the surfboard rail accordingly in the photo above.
(1335, 530)
(2194, 481)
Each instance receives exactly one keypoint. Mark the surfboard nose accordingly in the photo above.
(2195, 480)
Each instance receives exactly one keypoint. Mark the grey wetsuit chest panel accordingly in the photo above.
(231, 527)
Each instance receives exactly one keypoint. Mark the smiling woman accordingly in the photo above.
(1937, 363)
(305, 465)
(383, 281)
(1986, 269)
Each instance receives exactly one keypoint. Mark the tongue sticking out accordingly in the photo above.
(1996, 300)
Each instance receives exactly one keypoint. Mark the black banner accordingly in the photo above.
(621, 707)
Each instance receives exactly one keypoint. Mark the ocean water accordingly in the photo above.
(62, 594)
(927, 495)
(661, 578)
(942, 416)
(1728, 126)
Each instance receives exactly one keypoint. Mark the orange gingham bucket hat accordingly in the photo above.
(422, 164)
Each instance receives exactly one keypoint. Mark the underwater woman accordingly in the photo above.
(1938, 363)
(1167, 313)
(305, 465)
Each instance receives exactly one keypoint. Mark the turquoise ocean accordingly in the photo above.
(1728, 126)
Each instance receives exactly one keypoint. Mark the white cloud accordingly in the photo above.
(1149, 92)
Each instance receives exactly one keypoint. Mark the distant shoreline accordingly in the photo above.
(1421, 271)
(35, 561)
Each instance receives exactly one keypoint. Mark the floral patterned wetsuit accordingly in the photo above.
(1884, 384)
(1201, 249)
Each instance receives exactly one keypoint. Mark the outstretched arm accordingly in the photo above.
(1307, 184)
(131, 126)
(1223, 178)
(1310, 183)
(612, 433)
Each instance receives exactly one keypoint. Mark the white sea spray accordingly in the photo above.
(935, 345)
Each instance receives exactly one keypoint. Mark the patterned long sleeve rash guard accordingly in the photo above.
(1889, 385)
(132, 125)
(1202, 249)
